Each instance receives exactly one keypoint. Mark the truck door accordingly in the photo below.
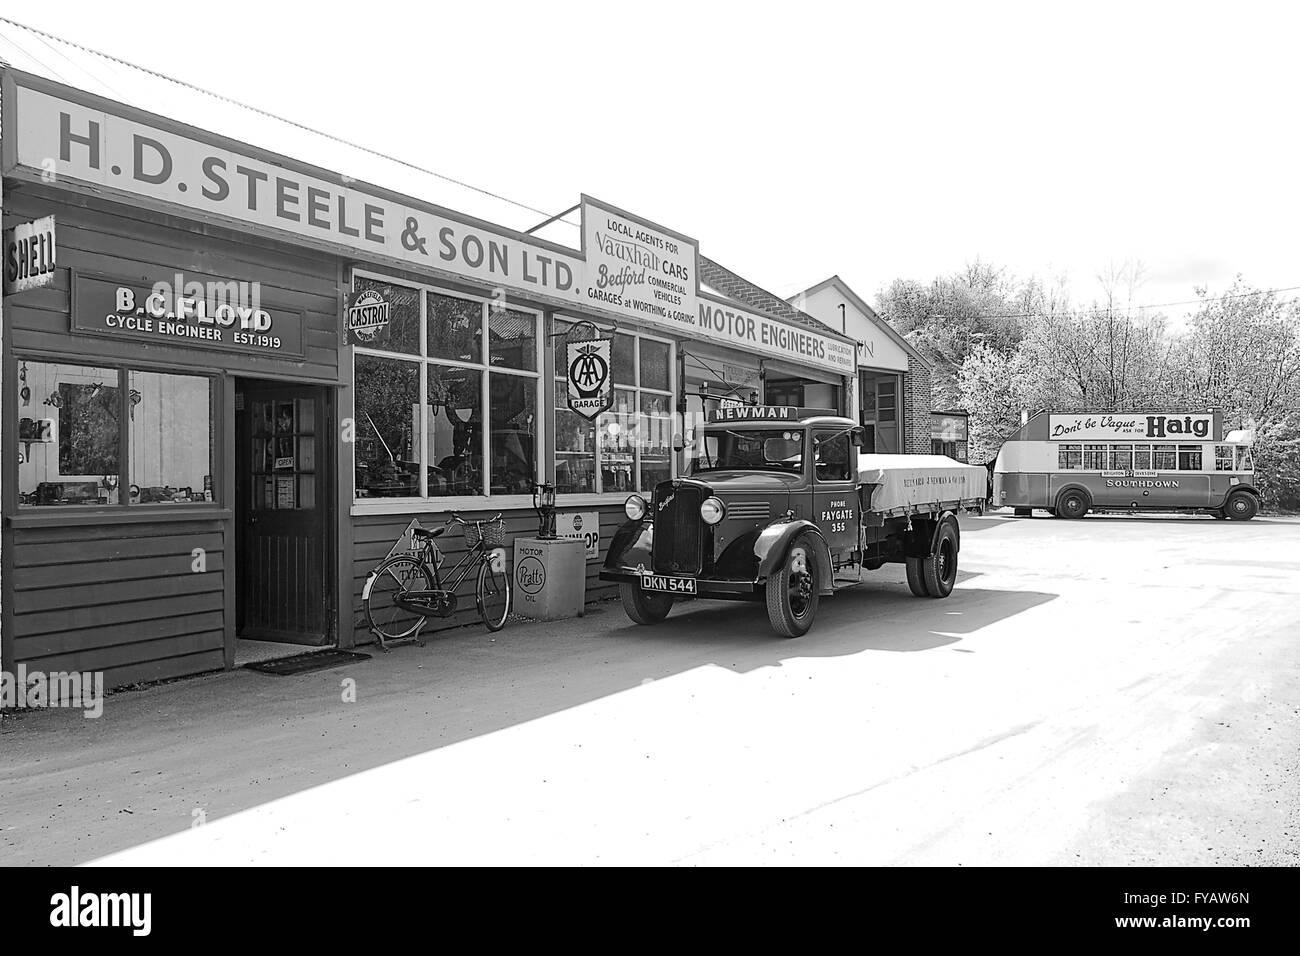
(835, 498)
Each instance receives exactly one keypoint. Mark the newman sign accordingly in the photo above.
(628, 268)
(1132, 425)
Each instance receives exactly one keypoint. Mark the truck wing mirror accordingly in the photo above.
(859, 437)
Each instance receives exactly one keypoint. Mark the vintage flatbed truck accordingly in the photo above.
(778, 505)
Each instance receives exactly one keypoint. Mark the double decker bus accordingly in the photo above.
(1073, 463)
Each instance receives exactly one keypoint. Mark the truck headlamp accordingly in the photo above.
(712, 510)
(635, 507)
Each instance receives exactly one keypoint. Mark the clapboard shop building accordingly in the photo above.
(246, 375)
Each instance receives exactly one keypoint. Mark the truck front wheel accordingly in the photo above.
(792, 591)
(644, 607)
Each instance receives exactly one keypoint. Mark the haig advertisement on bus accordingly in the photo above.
(1133, 426)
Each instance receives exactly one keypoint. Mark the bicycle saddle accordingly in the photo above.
(427, 533)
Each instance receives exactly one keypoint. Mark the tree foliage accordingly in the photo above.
(1002, 347)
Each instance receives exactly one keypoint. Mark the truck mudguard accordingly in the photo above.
(774, 542)
(632, 545)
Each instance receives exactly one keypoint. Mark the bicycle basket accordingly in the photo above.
(491, 533)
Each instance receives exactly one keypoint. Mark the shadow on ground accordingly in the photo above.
(77, 789)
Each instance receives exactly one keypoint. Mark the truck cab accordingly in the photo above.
(771, 508)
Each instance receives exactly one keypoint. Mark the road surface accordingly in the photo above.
(1108, 691)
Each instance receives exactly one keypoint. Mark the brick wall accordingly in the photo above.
(917, 408)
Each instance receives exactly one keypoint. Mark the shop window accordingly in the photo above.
(70, 441)
(169, 431)
(387, 408)
(403, 314)
(629, 447)
(1121, 458)
(455, 423)
(1142, 457)
(1223, 458)
(1189, 457)
(459, 419)
(1094, 457)
(1164, 457)
(1069, 457)
(949, 448)
(455, 328)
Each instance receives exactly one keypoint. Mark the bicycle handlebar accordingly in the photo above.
(457, 519)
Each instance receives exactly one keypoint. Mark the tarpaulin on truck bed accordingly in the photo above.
(916, 482)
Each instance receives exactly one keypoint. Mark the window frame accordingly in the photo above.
(422, 362)
(600, 495)
(123, 369)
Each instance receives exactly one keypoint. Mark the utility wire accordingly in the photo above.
(273, 116)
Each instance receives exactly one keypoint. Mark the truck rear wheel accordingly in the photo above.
(792, 593)
(940, 568)
(644, 607)
(916, 577)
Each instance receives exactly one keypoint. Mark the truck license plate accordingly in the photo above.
(661, 582)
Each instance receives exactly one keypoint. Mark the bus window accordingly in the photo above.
(1069, 457)
(1094, 457)
(1121, 457)
(1244, 462)
(1223, 458)
(1164, 457)
(1142, 457)
(1189, 457)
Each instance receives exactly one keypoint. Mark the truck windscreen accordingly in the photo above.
(750, 449)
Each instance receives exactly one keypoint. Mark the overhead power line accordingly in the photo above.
(274, 116)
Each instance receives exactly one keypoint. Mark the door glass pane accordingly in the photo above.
(170, 438)
(68, 421)
(656, 439)
(654, 364)
(455, 431)
(513, 446)
(575, 447)
(387, 425)
(455, 328)
(512, 339)
(403, 314)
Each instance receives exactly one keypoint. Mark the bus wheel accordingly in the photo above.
(1242, 506)
(1072, 504)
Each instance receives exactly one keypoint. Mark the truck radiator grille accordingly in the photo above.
(679, 530)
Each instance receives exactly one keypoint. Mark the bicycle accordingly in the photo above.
(405, 590)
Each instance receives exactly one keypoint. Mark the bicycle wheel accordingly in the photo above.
(493, 595)
(393, 576)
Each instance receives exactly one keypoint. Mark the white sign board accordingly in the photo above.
(1131, 425)
(29, 259)
(637, 269)
(588, 375)
(583, 525)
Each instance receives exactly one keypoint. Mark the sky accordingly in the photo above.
(799, 140)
